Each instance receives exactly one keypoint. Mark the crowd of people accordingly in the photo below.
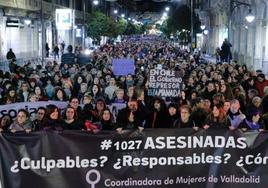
(213, 95)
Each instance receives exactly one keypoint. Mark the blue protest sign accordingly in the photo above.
(123, 67)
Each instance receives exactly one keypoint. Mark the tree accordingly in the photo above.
(121, 26)
(184, 36)
(101, 25)
(168, 27)
(133, 29)
(180, 20)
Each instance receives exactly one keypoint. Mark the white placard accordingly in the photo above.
(64, 19)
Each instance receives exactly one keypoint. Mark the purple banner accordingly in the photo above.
(123, 67)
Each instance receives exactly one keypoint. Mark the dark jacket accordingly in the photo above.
(75, 125)
(170, 121)
(145, 112)
(10, 55)
(50, 124)
(208, 95)
(38, 125)
(199, 116)
(68, 58)
(214, 123)
(106, 125)
(265, 104)
(226, 50)
(160, 120)
(123, 122)
(179, 124)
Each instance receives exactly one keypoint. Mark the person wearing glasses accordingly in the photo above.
(74, 103)
(38, 122)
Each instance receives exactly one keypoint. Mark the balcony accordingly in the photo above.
(34, 6)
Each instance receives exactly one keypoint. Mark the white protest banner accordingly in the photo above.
(32, 107)
(12, 109)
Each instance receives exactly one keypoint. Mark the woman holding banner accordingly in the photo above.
(173, 114)
(217, 119)
(52, 118)
(70, 120)
(253, 120)
(22, 122)
(158, 116)
(107, 120)
(184, 121)
(130, 117)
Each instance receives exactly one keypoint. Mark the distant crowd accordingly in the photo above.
(213, 95)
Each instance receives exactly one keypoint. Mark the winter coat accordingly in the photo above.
(21, 127)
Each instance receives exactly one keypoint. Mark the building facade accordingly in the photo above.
(28, 39)
(249, 40)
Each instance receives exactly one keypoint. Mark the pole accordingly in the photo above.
(73, 29)
(230, 19)
(233, 5)
(192, 26)
(84, 25)
(43, 34)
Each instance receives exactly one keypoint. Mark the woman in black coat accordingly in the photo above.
(107, 121)
(52, 119)
(185, 121)
(173, 115)
(158, 116)
(70, 120)
(217, 119)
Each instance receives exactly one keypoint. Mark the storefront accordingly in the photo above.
(21, 37)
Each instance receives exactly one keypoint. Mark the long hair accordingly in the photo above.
(63, 93)
(65, 111)
(50, 109)
(228, 92)
(111, 115)
(8, 121)
(163, 106)
(222, 115)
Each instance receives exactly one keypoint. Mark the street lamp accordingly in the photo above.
(250, 17)
(202, 27)
(123, 15)
(167, 9)
(115, 11)
(233, 5)
(95, 2)
(27, 21)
